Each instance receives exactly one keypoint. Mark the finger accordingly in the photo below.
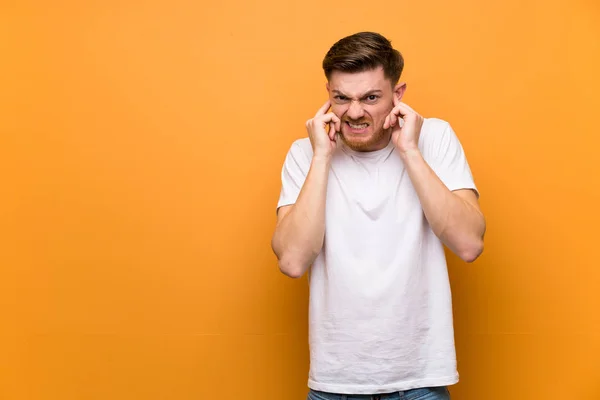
(393, 117)
(406, 106)
(398, 124)
(404, 109)
(386, 122)
(323, 109)
(395, 111)
(334, 118)
(399, 112)
(334, 128)
(329, 117)
(334, 122)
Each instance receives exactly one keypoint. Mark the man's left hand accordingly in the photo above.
(406, 127)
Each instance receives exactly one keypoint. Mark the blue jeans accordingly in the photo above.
(431, 393)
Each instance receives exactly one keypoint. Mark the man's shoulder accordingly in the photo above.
(302, 146)
(434, 133)
(435, 125)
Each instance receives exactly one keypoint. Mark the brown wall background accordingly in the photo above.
(140, 150)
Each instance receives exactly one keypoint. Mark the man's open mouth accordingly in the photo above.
(357, 126)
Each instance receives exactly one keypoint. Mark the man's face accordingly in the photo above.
(362, 101)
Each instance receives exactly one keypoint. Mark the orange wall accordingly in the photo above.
(140, 150)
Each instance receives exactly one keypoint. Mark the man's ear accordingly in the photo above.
(399, 90)
(327, 87)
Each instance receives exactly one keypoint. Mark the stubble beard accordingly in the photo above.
(365, 145)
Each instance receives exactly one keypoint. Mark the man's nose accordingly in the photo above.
(355, 111)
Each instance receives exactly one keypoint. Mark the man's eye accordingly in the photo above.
(372, 97)
(341, 98)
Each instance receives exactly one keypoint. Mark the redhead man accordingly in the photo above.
(368, 201)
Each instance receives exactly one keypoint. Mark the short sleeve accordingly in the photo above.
(293, 174)
(445, 155)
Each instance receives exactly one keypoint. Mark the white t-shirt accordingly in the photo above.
(380, 312)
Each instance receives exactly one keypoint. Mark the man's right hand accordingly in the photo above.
(323, 142)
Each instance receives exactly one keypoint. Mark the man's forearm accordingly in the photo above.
(458, 224)
(299, 235)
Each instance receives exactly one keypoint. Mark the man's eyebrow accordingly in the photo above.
(374, 91)
(370, 92)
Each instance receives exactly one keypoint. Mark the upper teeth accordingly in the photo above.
(361, 126)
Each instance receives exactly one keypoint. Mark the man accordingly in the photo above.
(368, 201)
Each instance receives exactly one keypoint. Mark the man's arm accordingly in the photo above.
(454, 216)
(300, 229)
